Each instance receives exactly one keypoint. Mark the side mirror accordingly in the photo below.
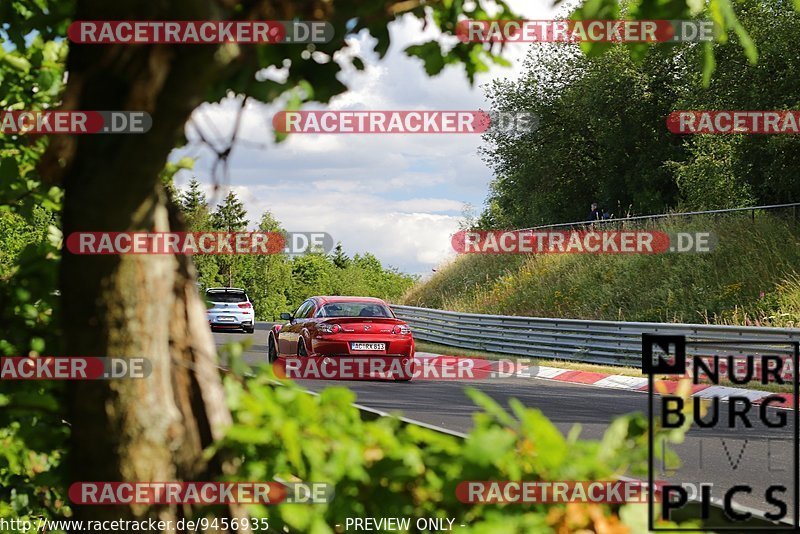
(286, 316)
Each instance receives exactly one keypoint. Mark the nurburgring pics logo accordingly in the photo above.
(734, 122)
(743, 421)
(403, 122)
(199, 31)
(580, 242)
(74, 122)
(575, 31)
(73, 368)
(198, 243)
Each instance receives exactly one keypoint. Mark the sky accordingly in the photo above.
(398, 196)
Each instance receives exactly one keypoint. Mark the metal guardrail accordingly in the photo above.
(752, 209)
(599, 342)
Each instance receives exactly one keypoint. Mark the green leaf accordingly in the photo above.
(732, 20)
(17, 62)
(431, 55)
(709, 63)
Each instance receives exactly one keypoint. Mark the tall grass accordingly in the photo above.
(750, 278)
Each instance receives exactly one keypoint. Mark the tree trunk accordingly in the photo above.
(151, 429)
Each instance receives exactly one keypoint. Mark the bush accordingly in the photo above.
(383, 468)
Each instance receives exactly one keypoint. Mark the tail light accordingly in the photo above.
(245, 305)
(326, 328)
(401, 329)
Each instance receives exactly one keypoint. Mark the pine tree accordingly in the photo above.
(230, 216)
(339, 258)
(193, 199)
(194, 205)
(269, 223)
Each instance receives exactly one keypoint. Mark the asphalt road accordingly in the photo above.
(757, 456)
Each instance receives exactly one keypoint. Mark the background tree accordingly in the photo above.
(602, 135)
(739, 170)
(194, 204)
(230, 216)
(339, 258)
(267, 277)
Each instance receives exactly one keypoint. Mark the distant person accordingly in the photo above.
(595, 214)
(607, 215)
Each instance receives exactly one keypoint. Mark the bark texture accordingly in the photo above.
(138, 305)
(142, 305)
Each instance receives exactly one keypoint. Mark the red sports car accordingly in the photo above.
(335, 327)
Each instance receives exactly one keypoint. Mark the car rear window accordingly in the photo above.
(220, 296)
(354, 309)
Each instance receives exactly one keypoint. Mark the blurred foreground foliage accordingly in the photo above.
(384, 468)
(32, 431)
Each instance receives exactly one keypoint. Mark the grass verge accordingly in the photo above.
(751, 278)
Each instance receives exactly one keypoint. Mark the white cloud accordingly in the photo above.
(397, 196)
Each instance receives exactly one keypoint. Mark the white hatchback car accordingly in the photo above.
(230, 308)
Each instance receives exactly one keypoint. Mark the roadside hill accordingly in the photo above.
(752, 277)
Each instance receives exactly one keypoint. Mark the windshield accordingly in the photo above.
(354, 309)
(226, 297)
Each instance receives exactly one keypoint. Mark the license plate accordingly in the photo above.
(225, 319)
(368, 346)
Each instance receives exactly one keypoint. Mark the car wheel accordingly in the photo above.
(405, 377)
(249, 330)
(272, 351)
(301, 348)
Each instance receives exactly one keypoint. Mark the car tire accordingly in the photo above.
(249, 330)
(272, 351)
(301, 348)
(405, 377)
